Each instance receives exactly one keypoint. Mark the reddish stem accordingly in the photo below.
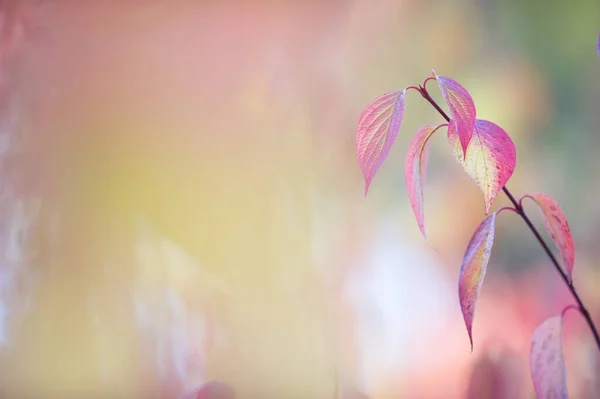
(417, 88)
(521, 211)
(523, 197)
(507, 208)
(427, 80)
(569, 307)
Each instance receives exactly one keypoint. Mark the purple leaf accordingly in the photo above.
(376, 132)
(598, 44)
(461, 106)
(490, 158)
(473, 270)
(547, 361)
(414, 171)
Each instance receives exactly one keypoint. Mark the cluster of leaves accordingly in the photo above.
(487, 154)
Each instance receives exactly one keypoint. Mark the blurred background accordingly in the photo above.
(181, 200)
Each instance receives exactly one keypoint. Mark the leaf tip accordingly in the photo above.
(467, 312)
(464, 147)
(471, 341)
(469, 326)
(427, 241)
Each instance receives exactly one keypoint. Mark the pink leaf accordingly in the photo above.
(547, 361)
(376, 132)
(213, 390)
(461, 106)
(473, 270)
(414, 171)
(490, 158)
(558, 228)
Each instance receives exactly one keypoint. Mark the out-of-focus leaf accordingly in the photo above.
(547, 361)
(212, 390)
(598, 45)
(498, 373)
(490, 159)
(376, 132)
(473, 270)
(461, 106)
(414, 172)
(558, 228)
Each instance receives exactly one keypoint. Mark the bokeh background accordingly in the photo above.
(181, 200)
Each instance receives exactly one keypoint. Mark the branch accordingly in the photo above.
(519, 209)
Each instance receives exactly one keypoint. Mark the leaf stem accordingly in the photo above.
(508, 208)
(521, 211)
(569, 307)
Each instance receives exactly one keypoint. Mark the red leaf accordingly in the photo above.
(376, 132)
(414, 171)
(213, 390)
(558, 228)
(490, 158)
(461, 106)
(547, 361)
(473, 270)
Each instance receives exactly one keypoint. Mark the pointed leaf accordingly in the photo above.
(461, 106)
(547, 361)
(414, 172)
(491, 157)
(376, 132)
(473, 270)
(558, 228)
